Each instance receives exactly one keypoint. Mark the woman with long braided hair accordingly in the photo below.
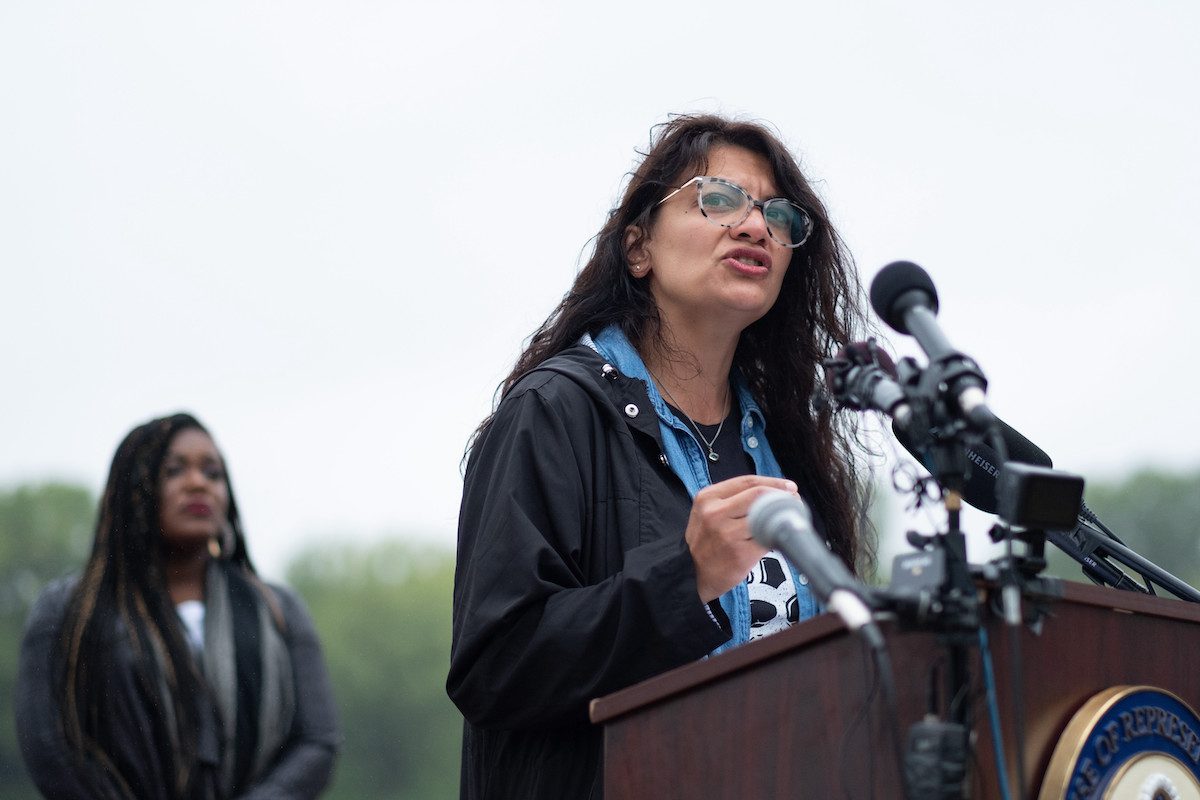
(168, 670)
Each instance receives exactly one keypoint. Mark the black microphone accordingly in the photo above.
(980, 487)
(903, 295)
(782, 521)
(862, 376)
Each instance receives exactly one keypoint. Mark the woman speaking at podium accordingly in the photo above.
(603, 535)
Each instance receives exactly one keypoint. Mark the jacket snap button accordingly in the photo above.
(662, 457)
(607, 369)
(752, 441)
(804, 580)
(631, 410)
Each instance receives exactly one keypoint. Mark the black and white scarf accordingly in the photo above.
(249, 673)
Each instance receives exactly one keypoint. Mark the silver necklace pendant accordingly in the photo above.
(712, 454)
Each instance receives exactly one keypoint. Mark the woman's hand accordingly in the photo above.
(718, 532)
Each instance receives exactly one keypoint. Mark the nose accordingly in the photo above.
(753, 227)
(196, 478)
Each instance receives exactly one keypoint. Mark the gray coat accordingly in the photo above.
(300, 770)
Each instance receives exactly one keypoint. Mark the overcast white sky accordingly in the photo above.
(325, 228)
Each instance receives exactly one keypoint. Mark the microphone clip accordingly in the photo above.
(858, 373)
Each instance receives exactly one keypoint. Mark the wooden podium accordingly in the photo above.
(794, 715)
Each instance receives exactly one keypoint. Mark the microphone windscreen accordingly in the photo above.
(856, 354)
(864, 354)
(895, 280)
(769, 510)
(979, 489)
(1021, 449)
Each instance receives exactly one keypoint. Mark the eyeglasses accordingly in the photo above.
(726, 204)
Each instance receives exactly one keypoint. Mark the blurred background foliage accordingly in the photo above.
(383, 613)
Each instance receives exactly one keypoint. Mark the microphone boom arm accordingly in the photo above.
(1092, 549)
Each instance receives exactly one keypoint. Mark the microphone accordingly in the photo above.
(862, 376)
(903, 295)
(980, 487)
(782, 521)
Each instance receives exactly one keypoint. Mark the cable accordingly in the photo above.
(1018, 695)
(882, 679)
(1091, 517)
(854, 723)
(961, 696)
(933, 696)
(989, 682)
(883, 667)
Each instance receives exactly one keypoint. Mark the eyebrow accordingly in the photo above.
(177, 456)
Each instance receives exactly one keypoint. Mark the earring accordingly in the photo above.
(222, 543)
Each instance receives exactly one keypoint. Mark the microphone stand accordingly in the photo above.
(937, 588)
(943, 599)
(1092, 549)
(932, 413)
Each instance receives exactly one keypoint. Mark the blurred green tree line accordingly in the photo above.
(383, 613)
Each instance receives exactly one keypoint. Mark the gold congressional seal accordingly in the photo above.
(1127, 743)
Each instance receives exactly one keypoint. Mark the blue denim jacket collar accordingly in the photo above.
(687, 459)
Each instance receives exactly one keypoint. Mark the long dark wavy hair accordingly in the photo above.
(122, 595)
(819, 308)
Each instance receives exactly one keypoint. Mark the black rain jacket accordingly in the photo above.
(573, 577)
